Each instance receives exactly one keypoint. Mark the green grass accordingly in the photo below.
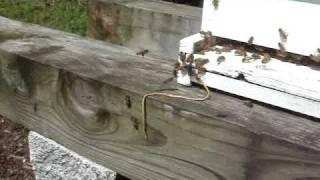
(66, 15)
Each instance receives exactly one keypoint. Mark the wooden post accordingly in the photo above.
(155, 25)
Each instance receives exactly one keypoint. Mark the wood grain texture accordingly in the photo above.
(143, 24)
(87, 96)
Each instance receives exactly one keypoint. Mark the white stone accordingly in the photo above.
(52, 161)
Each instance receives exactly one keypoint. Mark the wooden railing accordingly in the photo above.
(86, 95)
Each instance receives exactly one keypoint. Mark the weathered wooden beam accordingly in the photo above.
(155, 25)
(86, 95)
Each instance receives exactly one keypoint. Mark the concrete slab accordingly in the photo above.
(52, 161)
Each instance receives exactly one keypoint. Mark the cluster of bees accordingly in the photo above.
(190, 65)
(193, 67)
(209, 43)
(261, 52)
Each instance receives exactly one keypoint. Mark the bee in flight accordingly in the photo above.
(283, 35)
(250, 41)
(215, 4)
(142, 52)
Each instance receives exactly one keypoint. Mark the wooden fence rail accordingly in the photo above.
(86, 95)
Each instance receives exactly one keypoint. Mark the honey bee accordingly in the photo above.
(184, 64)
(215, 4)
(200, 62)
(183, 57)
(218, 51)
(208, 41)
(283, 35)
(266, 58)
(226, 49)
(177, 67)
(316, 56)
(199, 67)
(142, 52)
(282, 50)
(250, 41)
(248, 103)
(317, 53)
(255, 56)
(35, 107)
(221, 59)
(246, 59)
(259, 49)
(188, 66)
(206, 34)
(213, 48)
(203, 33)
(241, 51)
(190, 59)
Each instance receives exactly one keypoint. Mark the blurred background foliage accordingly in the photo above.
(66, 15)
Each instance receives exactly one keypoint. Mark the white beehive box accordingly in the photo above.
(287, 85)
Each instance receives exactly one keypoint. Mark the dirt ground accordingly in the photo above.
(14, 152)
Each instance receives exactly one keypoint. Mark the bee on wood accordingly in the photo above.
(221, 59)
(209, 39)
(259, 49)
(226, 49)
(282, 50)
(283, 35)
(206, 34)
(207, 42)
(142, 52)
(266, 58)
(241, 51)
(248, 103)
(246, 59)
(256, 56)
(317, 53)
(218, 51)
(188, 66)
(177, 67)
(203, 33)
(199, 67)
(190, 59)
(35, 107)
(215, 4)
(250, 41)
(183, 57)
(200, 62)
(316, 56)
(182, 65)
